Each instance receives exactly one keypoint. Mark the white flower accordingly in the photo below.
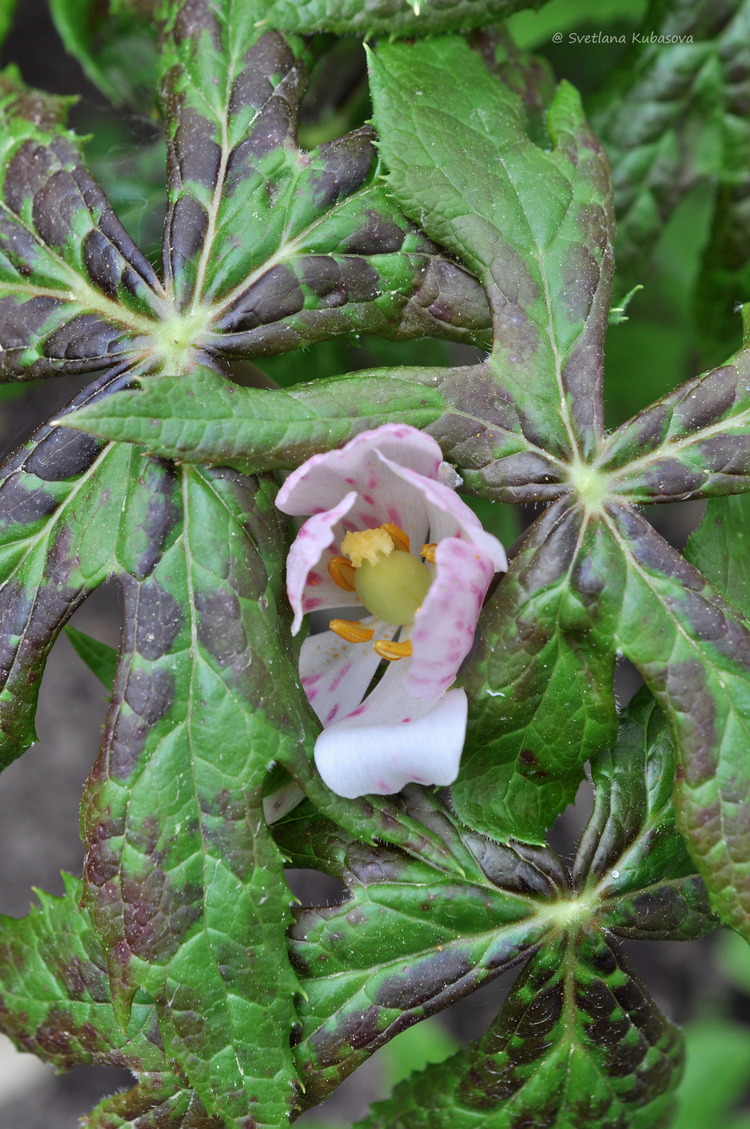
(389, 536)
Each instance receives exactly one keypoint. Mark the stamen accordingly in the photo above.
(398, 537)
(341, 572)
(367, 545)
(428, 551)
(392, 651)
(351, 630)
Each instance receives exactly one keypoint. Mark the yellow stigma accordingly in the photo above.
(368, 545)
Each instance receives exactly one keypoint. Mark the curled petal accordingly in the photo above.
(393, 740)
(308, 584)
(335, 674)
(322, 481)
(449, 516)
(444, 626)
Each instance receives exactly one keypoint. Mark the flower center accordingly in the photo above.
(390, 582)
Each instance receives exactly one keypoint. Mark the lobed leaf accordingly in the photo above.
(271, 247)
(100, 658)
(390, 17)
(534, 224)
(184, 883)
(694, 442)
(408, 940)
(631, 853)
(539, 682)
(693, 650)
(61, 497)
(202, 418)
(73, 285)
(579, 1044)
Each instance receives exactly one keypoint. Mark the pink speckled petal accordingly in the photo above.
(449, 516)
(283, 800)
(308, 585)
(335, 674)
(322, 481)
(393, 741)
(444, 626)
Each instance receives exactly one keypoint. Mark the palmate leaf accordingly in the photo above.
(694, 442)
(409, 940)
(277, 246)
(183, 880)
(73, 285)
(631, 854)
(61, 497)
(534, 225)
(578, 1045)
(693, 650)
(55, 1003)
(539, 658)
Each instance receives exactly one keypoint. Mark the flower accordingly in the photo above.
(388, 535)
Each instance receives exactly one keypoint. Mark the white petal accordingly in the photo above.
(449, 516)
(323, 480)
(377, 752)
(336, 674)
(283, 800)
(308, 584)
(444, 627)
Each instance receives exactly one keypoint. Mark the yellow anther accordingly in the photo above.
(398, 537)
(392, 651)
(367, 545)
(428, 551)
(341, 572)
(351, 630)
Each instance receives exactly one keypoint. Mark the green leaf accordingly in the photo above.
(694, 442)
(720, 548)
(693, 650)
(389, 17)
(408, 940)
(674, 117)
(203, 418)
(271, 248)
(539, 682)
(579, 1044)
(116, 49)
(534, 224)
(183, 880)
(100, 658)
(73, 285)
(631, 852)
(7, 12)
(55, 1003)
(61, 499)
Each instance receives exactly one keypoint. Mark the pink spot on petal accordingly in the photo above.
(359, 710)
(331, 714)
(308, 605)
(340, 676)
(369, 499)
(313, 578)
(394, 515)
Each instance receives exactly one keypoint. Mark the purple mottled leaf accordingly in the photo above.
(539, 681)
(694, 442)
(285, 247)
(397, 950)
(631, 852)
(73, 285)
(534, 224)
(61, 496)
(693, 650)
(579, 1042)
